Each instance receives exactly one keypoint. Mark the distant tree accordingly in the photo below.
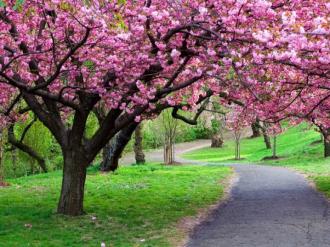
(325, 137)
(266, 136)
(218, 122)
(2, 143)
(274, 147)
(255, 126)
(169, 126)
(217, 135)
(237, 119)
(113, 150)
(138, 146)
(237, 135)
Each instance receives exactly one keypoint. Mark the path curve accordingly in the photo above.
(269, 207)
(157, 154)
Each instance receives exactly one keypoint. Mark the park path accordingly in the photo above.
(157, 154)
(268, 207)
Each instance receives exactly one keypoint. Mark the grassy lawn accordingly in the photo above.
(296, 147)
(136, 206)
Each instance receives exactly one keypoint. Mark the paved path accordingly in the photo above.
(269, 207)
(157, 155)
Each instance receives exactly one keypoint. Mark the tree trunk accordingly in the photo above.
(274, 147)
(113, 150)
(138, 147)
(111, 155)
(217, 141)
(2, 175)
(73, 184)
(13, 155)
(266, 138)
(326, 142)
(168, 151)
(237, 150)
(255, 129)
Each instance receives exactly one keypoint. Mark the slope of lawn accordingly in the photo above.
(136, 206)
(299, 148)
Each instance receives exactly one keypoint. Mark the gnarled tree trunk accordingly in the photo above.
(73, 183)
(113, 150)
(138, 147)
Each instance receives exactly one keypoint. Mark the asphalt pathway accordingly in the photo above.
(268, 207)
(157, 154)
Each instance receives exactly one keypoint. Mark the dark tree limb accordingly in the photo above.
(25, 148)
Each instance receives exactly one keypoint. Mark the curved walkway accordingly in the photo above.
(269, 207)
(157, 155)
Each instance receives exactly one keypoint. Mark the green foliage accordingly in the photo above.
(18, 4)
(91, 126)
(215, 125)
(201, 130)
(153, 133)
(40, 139)
(18, 163)
(136, 206)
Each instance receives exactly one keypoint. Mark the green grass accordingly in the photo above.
(136, 206)
(296, 148)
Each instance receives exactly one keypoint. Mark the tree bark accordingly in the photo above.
(138, 147)
(255, 129)
(168, 151)
(237, 150)
(274, 147)
(326, 142)
(217, 141)
(2, 175)
(266, 138)
(113, 150)
(73, 184)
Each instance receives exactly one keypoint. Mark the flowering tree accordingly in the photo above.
(237, 119)
(287, 69)
(134, 58)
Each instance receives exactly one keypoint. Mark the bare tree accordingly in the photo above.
(169, 126)
(237, 136)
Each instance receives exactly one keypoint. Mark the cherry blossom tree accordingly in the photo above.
(133, 59)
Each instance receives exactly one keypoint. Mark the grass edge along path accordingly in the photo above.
(299, 148)
(135, 206)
